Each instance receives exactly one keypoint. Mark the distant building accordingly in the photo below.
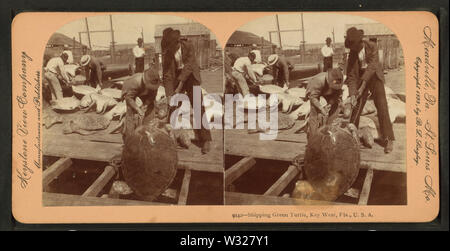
(241, 43)
(55, 46)
(390, 50)
(198, 34)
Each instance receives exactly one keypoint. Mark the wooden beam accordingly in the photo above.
(64, 145)
(55, 170)
(100, 182)
(240, 143)
(182, 199)
(283, 181)
(238, 169)
(365, 191)
(59, 200)
(232, 198)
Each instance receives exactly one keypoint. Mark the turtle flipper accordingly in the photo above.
(118, 127)
(83, 132)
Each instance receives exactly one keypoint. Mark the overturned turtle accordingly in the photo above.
(331, 163)
(101, 102)
(149, 161)
(84, 124)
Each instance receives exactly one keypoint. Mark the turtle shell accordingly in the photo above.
(332, 161)
(112, 92)
(149, 161)
(297, 92)
(271, 89)
(82, 90)
(66, 104)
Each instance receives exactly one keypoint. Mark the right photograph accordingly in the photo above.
(317, 117)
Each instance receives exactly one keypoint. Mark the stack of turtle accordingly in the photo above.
(294, 105)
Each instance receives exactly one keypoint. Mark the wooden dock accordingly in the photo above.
(104, 147)
(285, 148)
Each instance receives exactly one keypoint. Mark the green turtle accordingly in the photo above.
(149, 161)
(84, 124)
(101, 102)
(331, 163)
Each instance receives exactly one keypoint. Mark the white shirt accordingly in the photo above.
(258, 59)
(70, 56)
(362, 58)
(241, 64)
(327, 51)
(179, 59)
(56, 66)
(138, 51)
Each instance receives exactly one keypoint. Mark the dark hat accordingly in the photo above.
(139, 40)
(172, 41)
(335, 79)
(165, 38)
(353, 36)
(151, 78)
(328, 39)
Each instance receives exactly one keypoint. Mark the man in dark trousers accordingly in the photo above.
(364, 74)
(181, 73)
(281, 67)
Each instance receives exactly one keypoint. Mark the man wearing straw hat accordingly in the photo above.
(364, 74)
(93, 70)
(281, 68)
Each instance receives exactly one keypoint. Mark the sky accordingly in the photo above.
(317, 26)
(127, 28)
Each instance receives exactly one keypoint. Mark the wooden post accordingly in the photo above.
(278, 31)
(303, 39)
(113, 49)
(88, 33)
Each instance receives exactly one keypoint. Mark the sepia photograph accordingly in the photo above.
(107, 136)
(339, 87)
(225, 117)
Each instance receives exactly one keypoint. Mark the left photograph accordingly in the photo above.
(109, 136)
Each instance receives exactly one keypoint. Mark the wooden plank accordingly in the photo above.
(232, 198)
(365, 191)
(239, 144)
(100, 182)
(238, 169)
(62, 146)
(283, 181)
(182, 199)
(55, 170)
(60, 200)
